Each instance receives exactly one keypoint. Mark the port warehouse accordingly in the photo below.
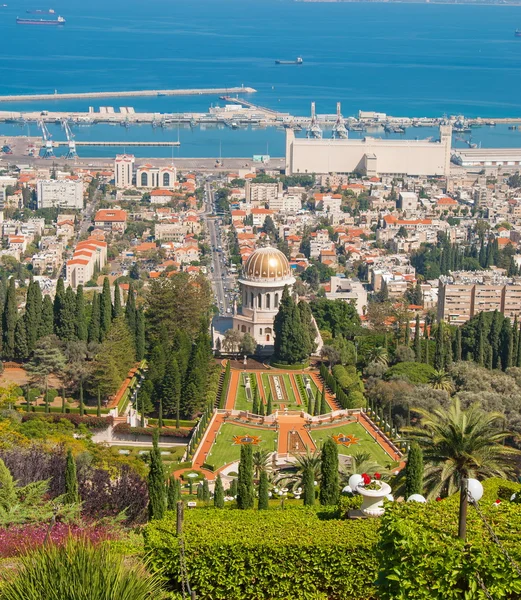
(487, 157)
(371, 156)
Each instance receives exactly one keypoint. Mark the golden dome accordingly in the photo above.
(267, 264)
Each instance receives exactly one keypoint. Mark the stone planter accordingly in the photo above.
(373, 500)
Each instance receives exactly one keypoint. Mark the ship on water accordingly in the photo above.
(298, 61)
(517, 33)
(58, 21)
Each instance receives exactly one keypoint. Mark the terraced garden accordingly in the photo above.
(225, 451)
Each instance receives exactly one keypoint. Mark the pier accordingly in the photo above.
(138, 144)
(135, 93)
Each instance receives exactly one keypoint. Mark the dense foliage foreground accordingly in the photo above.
(411, 553)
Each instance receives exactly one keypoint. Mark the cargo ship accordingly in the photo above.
(40, 12)
(58, 21)
(298, 61)
(517, 33)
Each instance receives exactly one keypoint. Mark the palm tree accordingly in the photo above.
(441, 380)
(461, 443)
(378, 355)
(293, 476)
(361, 462)
(261, 462)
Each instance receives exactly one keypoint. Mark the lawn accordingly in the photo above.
(224, 451)
(366, 443)
(241, 401)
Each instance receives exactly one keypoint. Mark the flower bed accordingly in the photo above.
(19, 539)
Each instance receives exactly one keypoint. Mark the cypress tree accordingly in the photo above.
(156, 482)
(93, 330)
(439, 352)
(407, 333)
(308, 484)
(206, 491)
(9, 320)
(68, 323)
(518, 355)
(480, 350)
(417, 340)
(218, 495)
(33, 314)
(233, 487)
(261, 407)
(495, 331)
(130, 308)
(140, 336)
(290, 345)
(255, 407)
(414, 471)
(263, 491)
(269, 407)
(317, 403)
(105, 309)
(324, 409)
(82, 406)
(505, 345)
(117, 309)
(245, 491)
(59, 307)
(71, 480)
(21, 347)
(515, 341)
(98, 406)
(81, 320)
(172, 495)
(310, 403)
(171, 388)
(457, 345)
(160, 419)
(329, 474)
(47, 319)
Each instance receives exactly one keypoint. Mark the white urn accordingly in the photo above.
(373, 500)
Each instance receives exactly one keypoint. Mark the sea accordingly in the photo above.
(402, 59)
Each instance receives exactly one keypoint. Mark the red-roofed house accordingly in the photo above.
(161, 196)
(111, 220)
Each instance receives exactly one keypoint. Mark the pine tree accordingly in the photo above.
(71, 480)
(10, 317)
(117, 309)
(269, 407)
(414, 471)
(81, 320)
(263, 491)
(329, 486)
(308, 484)
(417, 340)
(439, 352)
(245, 491)
(94, 330)
(156, 482)
(21, 347)
(218, 495)
(47, 321)
(172, 496)
(324, 408)
(140, 335)
(105, 309)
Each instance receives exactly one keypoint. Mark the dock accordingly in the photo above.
(118, 143)
(135, 93)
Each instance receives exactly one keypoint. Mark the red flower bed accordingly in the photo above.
(21, 538)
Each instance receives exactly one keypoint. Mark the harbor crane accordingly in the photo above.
(47, 150)
(314, 130)
(71, 152)
(339, 130)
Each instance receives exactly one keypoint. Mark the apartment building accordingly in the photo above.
(111, 220)
(261, 192)
(89, 256)
(124, 170)
(60, 193)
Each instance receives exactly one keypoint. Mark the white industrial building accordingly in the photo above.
(60, 193)
(370, 156)
(124, 170)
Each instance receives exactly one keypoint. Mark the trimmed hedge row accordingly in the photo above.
(89, 421)
(246, 555)
(225, 385)
(295, 367)
(125, 428)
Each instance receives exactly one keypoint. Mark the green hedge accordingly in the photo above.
(246, 555)
(295, 367)
(172, 422)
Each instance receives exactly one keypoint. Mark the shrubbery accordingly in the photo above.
(125, 428)
(76, 420)
(412, 372)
